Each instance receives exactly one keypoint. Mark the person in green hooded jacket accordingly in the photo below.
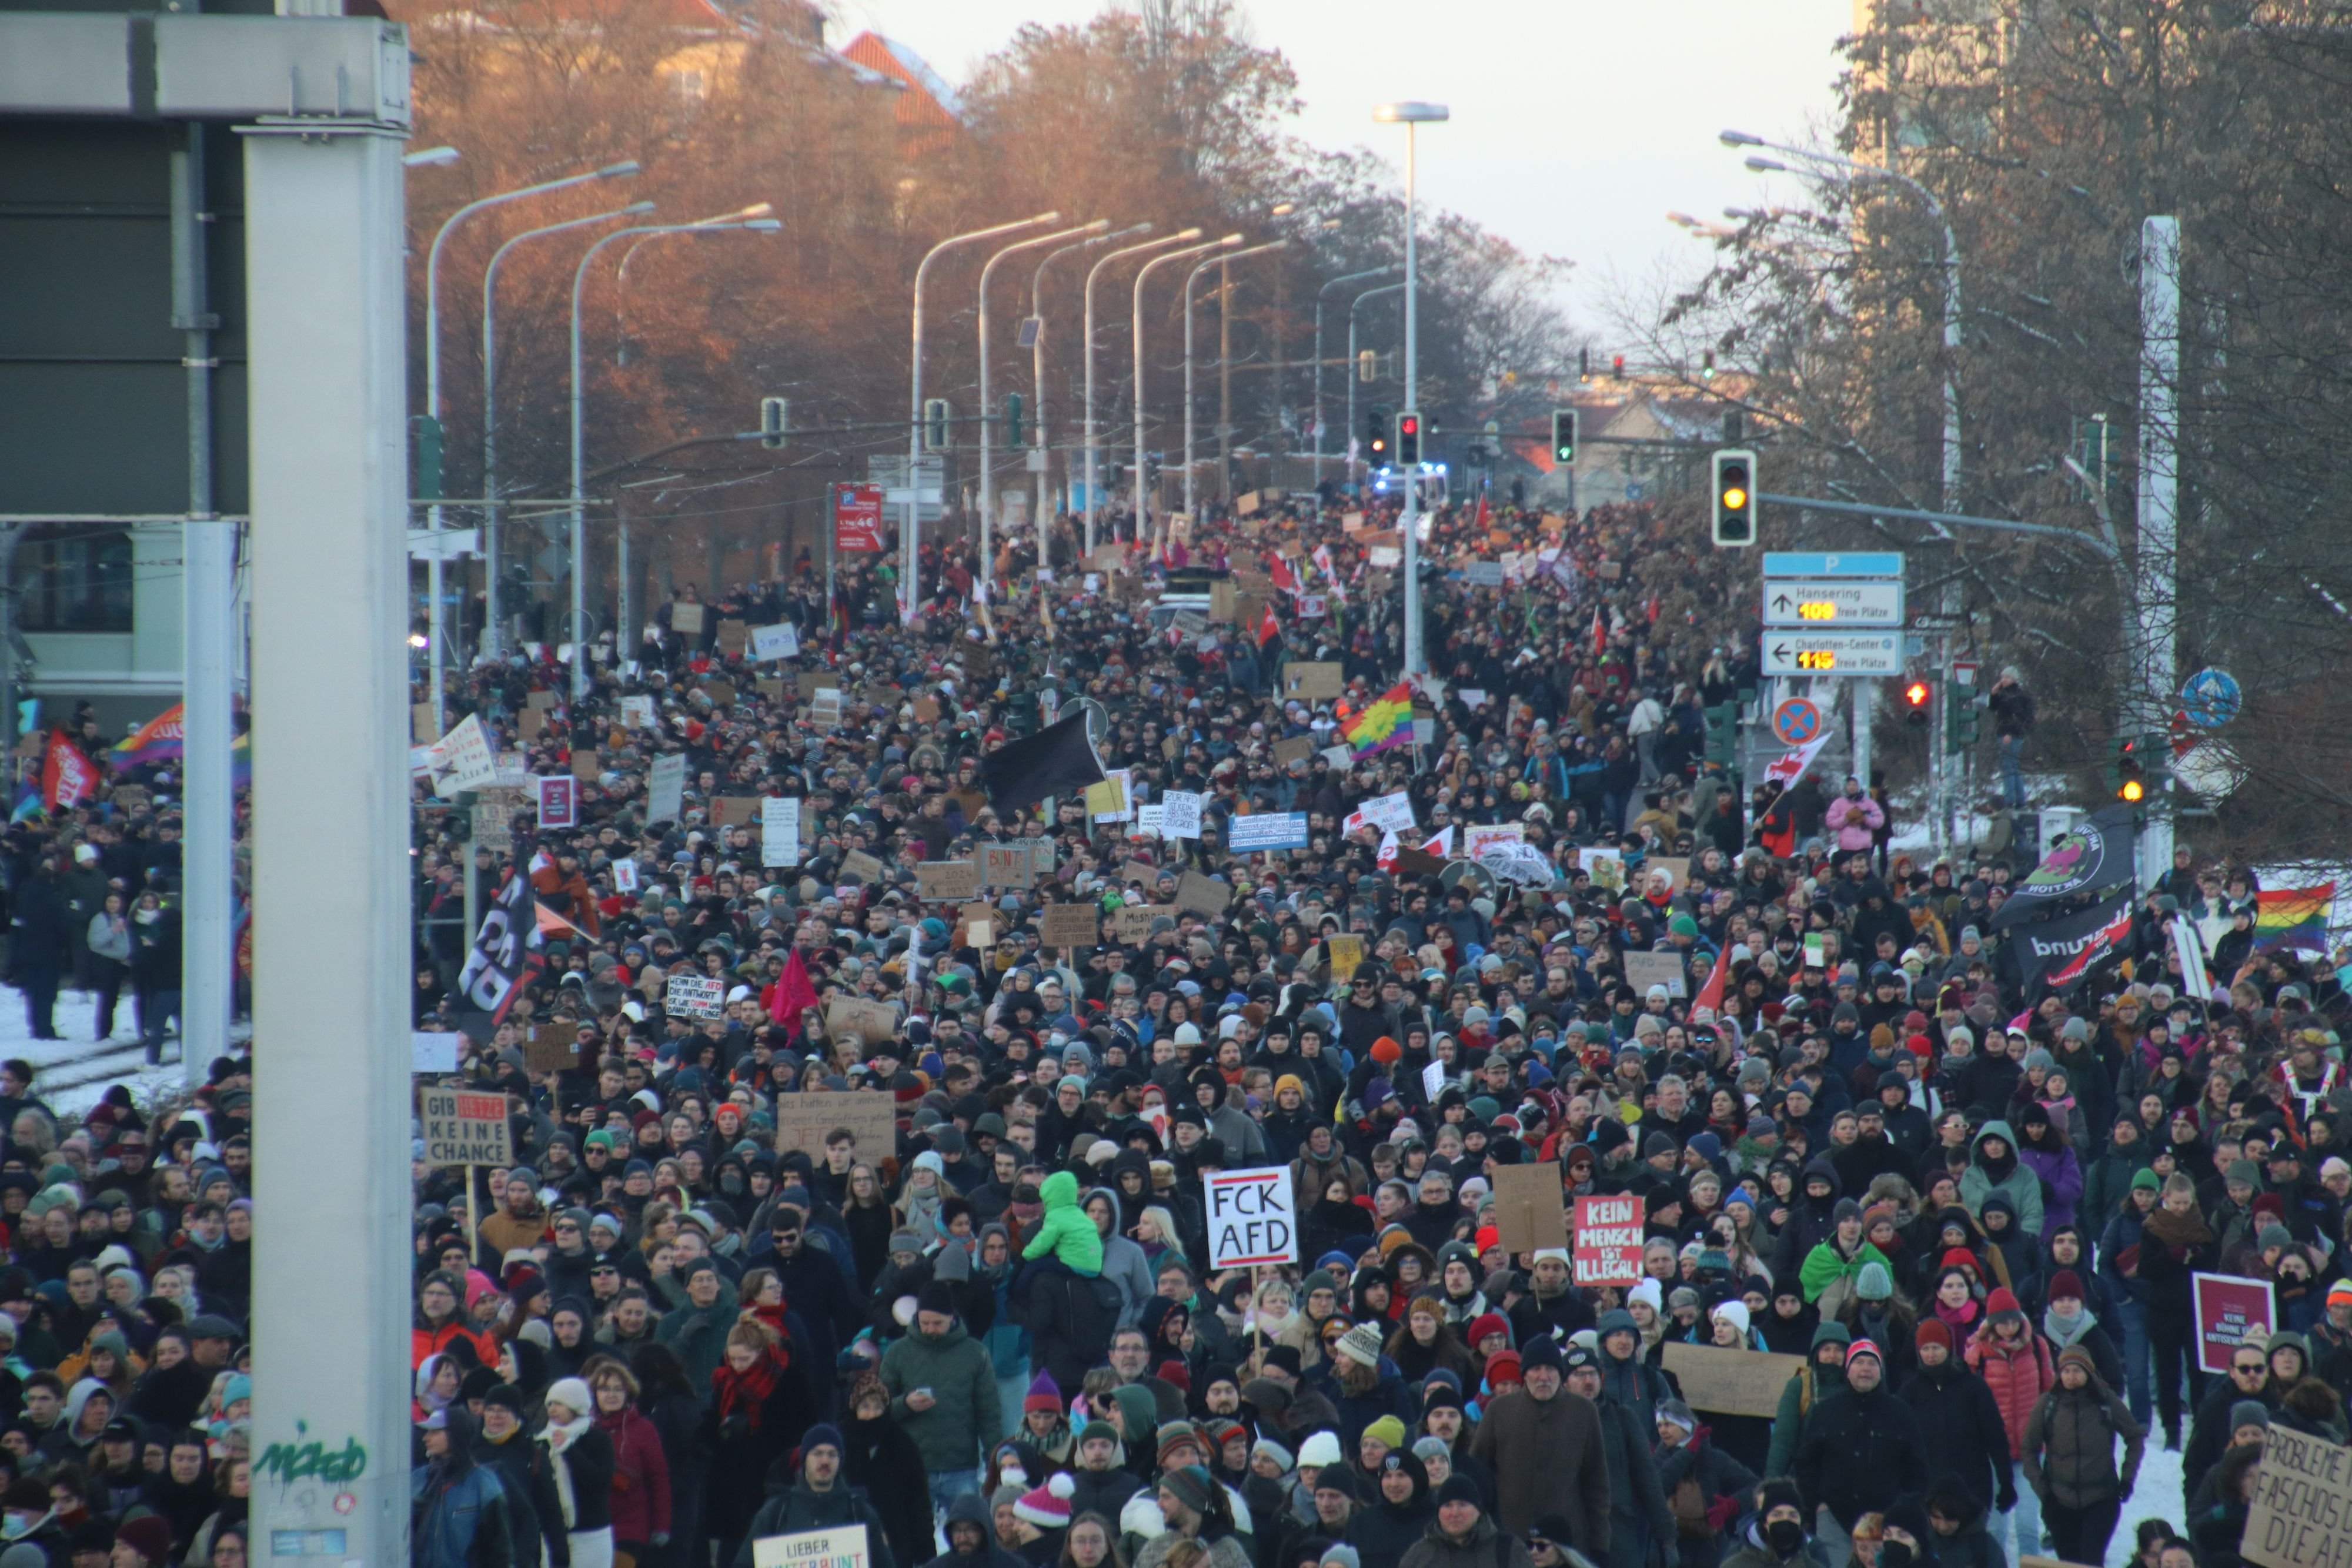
(1993, 1166)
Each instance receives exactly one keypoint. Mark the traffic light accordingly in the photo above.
(1380, 431)
(1408, 437)
(1563, 436)
(939, 424)
(1735, 498)
(775, 419)
(1723, 734)
(1011, 419)
(1960, 724)
(1367, 366)
(2128, 770)
(1917, 696)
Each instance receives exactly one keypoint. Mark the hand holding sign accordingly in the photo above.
(1251, 1218)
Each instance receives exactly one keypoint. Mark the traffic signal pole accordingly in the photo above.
(2150, 636)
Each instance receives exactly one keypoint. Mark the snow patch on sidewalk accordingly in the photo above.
(72, 1074)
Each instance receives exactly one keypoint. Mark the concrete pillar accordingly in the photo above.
(328, 401)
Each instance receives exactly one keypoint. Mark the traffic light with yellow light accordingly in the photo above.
(1919, 696)
(1735, 498)
(1408, 437)
(1379, 432)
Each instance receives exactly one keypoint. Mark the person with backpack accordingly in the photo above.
(1705, 1488)
(2069, 1459)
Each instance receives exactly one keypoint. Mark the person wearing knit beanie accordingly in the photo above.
(1047, 1507)
(1044, 1393)
(1283, 1461)
(1190, 1488)
(1387, 1431)
(1483, 1324)
(824, 1434)
(1320, 1449)
(149, 1535)
(1931, 1330)
(1361, 1345)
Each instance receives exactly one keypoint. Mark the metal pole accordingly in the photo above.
(1319, 294)
(987, 413)
(907, 542)
(208, 619)
(2156, 578)
(1353, 306)
(1409, 522)
(328, 401)
(1093, 434)
(1225, 380)
(493, 634)
(579, 399)
(1142, 505)
(1037, 366)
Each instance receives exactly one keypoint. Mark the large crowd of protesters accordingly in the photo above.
(994, 1338)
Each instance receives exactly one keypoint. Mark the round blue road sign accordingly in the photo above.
(1796, 721)
(2211, 699)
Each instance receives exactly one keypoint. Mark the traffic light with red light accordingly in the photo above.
(1918, 696)
(1408, 437)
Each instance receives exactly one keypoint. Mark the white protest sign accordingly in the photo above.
(696, 996)
(665, 788)
(1252, 1218)
(777, 642)
(1180, 814)
(1391, 813)
(625, 876)
(1433, 1081)
(1147, 821)
(638, 713)
(462, 760)
(845, 1547)
(780, 831)
(1474, 839)
(464, 1127)
(433, 1050)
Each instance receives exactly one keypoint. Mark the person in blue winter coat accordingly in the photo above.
(1363, 1384)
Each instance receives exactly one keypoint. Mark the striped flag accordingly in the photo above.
(2292, 916)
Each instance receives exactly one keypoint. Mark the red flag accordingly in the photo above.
(1600, 635)
(1284, 578)
(1710, 996)
(791, 994)
(66, 776)
(1486, 516)
(1268, 628)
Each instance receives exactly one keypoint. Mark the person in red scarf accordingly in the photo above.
(759, 1405)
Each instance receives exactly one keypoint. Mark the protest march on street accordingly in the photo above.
(1102, 1071)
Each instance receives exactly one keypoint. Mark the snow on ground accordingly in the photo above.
(73, 1073)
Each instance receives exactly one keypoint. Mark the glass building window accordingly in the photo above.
(73, 580)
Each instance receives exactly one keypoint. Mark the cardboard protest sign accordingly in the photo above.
(696, 996)
(425, 724)
(2302, 1511)
(1294, 749)
(1132, 923)
(1009, 866)
(1731, 1382)
(1644, 970)
(1529, 1212)
(1608, 1240)
(734, 635)
(1205, 894)
(771, 688)
(859, 866)
(803, 1120)
(540, 699)
(806, 684)
(584, 765)
(824, 708)
(869, 1021)
(948, 881)
(685, 619)
(1313, 681)
(464, 1127)
(845, 1546)
(1070, 925)
(2230, 1312)
(1347, 954)
(735, 811)
(1252, 1218)
(550, 1047)
(721, 693)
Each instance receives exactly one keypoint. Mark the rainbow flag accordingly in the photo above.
(2292, 916)
(240, 762)
(1385, 721)
(157, 740)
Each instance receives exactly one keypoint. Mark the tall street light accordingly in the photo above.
(907, 543)
(493, 633)
(1037, 366)
(579, 492)
(1412, 116)
(426, 157)
(1223, 260)
(1142, 505)
(1320, 295)
(1093, 434)
(987, 413)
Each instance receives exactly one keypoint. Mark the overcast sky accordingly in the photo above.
(1577, 123)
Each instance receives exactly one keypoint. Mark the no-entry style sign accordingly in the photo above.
(1252, 1218)
(1796, 721)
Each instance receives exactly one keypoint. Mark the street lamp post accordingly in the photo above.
(1223, 261)
(1093, 435)
(1353, 306)
(579, 492)
(492, 634)
(1143, 275)
(621, 283)
(987, 447)
(907, 542)
(1412, 116)
(433, 155)
(1319, 296)
(1037, 368)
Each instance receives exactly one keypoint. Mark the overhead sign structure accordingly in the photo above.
(1857, 563)
(1832, 652)
(1252, 1218)
(1831, 602)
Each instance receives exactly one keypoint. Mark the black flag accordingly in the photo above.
(1059, 760)
(507, 953)
(2097, 854)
